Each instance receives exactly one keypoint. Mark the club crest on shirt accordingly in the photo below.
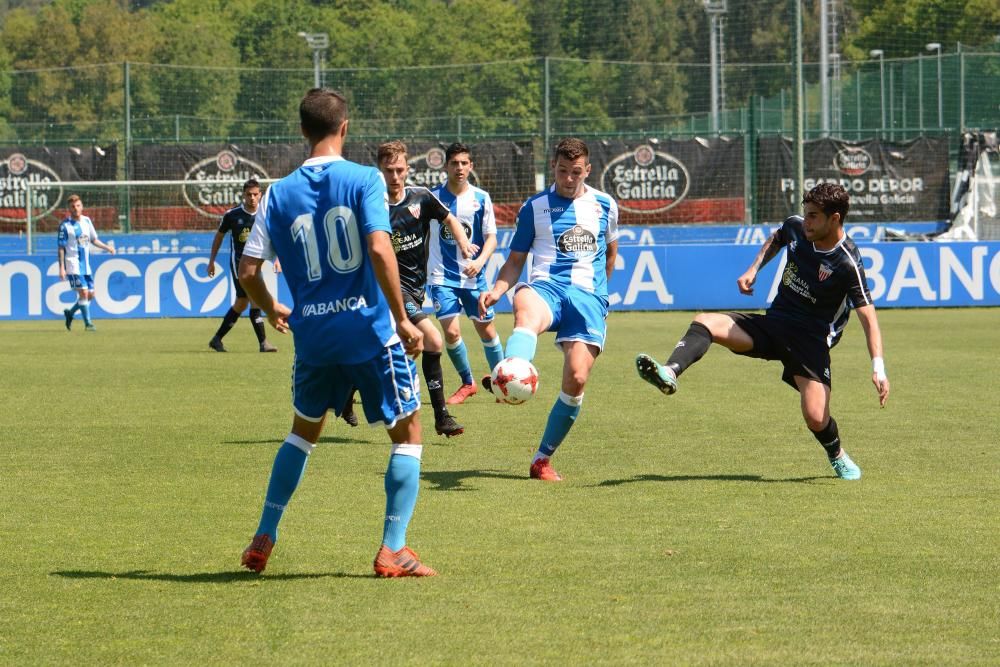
(825, 271)
(414, 210)
(578, 240)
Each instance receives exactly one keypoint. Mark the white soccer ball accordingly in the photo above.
(514, 380)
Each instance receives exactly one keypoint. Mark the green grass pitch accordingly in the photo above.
(701, 529)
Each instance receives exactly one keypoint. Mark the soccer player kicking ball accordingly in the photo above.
(571, 229)
(328, 223)
(823, 278)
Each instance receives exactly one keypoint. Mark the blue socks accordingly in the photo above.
(561, 419)
(76, 307)
(494, 352)
(460, 358)
(289, 464)
(522, 343)
(84, 310)
(402, 481)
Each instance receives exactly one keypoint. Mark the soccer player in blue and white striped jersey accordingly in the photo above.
(571, 230)
(76, 235)
(328, 223)
(456, 282)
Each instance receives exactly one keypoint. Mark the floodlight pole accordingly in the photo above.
(318, 42)
(880, 54)
(716, 9)
(936, 46)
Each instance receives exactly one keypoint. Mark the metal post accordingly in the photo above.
(920, 92)
(892, 102)
(799, 100)
(126, 224)
(880, 54)
(824, 67)
(857, 98)
(547, 128)
(936, 46)
(961, 89)
(27, 214)
(716, 9)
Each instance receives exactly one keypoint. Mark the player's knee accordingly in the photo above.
(815, 421)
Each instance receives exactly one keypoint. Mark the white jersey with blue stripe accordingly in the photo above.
(474, 209)
(316, 221)
(568, 238)
(75, 237)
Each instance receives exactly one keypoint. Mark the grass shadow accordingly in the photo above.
(712, 478)
(323, 440)
(224, 577)
(452, 480)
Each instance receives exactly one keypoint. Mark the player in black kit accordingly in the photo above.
(822, 280)
(238, 222)
(411, 211)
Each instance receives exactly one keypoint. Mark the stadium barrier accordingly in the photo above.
(655, 277)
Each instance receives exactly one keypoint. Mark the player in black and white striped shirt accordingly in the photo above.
(822, 280)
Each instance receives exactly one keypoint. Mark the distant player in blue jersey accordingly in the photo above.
(328, 223)
(237, 222)
(822, 280)
(571, 229)
(456, 282)
(76, 235)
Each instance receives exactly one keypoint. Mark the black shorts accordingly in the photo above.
(234, 264)
(414, 304)
(799, 352)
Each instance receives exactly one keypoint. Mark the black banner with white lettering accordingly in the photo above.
(887, 181)
(672, 181)
(44, 168)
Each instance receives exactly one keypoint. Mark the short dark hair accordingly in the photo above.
(831, 198)
(571, 149)
(250, 183)
(389, 150)
(455, 149)
(322, 112)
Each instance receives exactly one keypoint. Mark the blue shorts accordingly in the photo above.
(450, 301)
(576, 314)
(76, 281)
(388, 385)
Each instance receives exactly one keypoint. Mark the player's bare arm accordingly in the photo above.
(252, 279)
(387, 273)
(509, 273)
(767, 252)
(62, 264)
(104, 246)
(467, 248)
(216, 244)
(611, 254)
(873, 334)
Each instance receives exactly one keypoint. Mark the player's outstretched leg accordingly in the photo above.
(829, 438)
(289, 466)
(402, 482)
(661, 377)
